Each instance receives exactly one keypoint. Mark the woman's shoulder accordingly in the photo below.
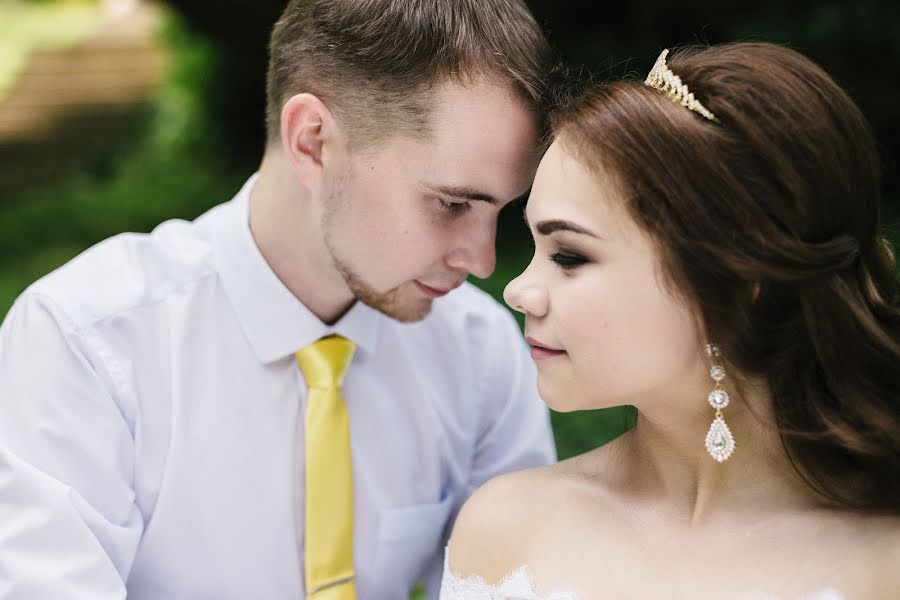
(506, 521)
(862, 550)
(499, 522)
(880, 536)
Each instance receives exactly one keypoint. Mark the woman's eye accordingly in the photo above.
(454, 208)
(567, 260)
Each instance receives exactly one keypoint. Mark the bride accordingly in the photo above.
(716, 262)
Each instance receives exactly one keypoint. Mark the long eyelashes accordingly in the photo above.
(567, 260)
(454, 208)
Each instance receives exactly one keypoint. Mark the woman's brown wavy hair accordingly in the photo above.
(768, 222)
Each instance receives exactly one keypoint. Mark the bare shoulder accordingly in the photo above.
(865, 552)
(500, 522)
(518, 518)
(885, 547)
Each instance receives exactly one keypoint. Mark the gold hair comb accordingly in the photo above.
(662, 78)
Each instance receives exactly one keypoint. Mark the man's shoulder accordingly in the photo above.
(470, 320)
(470, 307)
(126, 272)
(468, 298)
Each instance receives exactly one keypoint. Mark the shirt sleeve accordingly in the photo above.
(69, 525)
(514, 430)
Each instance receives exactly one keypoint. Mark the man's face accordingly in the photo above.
(409, 222)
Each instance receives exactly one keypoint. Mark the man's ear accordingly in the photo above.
(306, 125)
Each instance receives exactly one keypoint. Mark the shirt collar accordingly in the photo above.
(273, 319)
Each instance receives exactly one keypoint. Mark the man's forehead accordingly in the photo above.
(482, 145)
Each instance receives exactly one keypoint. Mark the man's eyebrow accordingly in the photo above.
(554, 225)
(462, 192)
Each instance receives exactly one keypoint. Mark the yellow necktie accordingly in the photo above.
(329, 472)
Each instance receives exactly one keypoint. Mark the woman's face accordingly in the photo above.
(604, 329)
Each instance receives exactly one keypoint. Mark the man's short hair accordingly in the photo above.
(373, 62)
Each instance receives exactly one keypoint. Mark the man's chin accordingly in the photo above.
(409, 314)
(403, 303)
(404, 313)
(397, 304)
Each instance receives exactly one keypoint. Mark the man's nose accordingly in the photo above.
(476, 253)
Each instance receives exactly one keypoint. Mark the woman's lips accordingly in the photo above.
(540, 351)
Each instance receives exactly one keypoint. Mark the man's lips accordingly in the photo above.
(540, 351)
(435, 292)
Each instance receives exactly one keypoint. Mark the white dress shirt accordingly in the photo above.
(151, 423)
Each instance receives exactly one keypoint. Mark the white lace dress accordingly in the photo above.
(519, 586)
(516, 586)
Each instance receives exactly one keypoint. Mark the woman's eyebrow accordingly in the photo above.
(553, 225)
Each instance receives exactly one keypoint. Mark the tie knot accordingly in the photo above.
(324, 362)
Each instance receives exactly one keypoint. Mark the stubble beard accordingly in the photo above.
(391, 303)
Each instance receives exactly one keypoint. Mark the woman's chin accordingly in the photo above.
(562, 400)
(570, 399)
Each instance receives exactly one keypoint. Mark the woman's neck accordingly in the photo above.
(668, 460)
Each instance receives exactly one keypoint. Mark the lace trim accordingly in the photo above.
(823, 594)
(517, 585)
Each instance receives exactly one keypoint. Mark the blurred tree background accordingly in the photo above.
(200, 133)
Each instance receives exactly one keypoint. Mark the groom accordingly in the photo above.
(293, 395)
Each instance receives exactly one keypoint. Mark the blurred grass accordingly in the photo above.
(26, 26)
(418, 592)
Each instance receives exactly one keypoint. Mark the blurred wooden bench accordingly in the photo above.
(70, 103)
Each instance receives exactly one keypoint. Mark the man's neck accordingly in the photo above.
(285, 222)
